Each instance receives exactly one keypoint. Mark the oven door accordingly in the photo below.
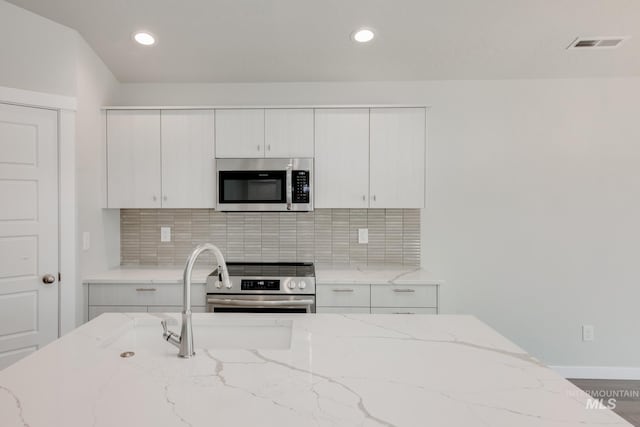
(231, 303)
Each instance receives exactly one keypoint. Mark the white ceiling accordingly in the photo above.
(305, 40)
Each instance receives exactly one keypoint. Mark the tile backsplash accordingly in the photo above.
(325, 235)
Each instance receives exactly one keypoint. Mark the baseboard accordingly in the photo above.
(599, 372)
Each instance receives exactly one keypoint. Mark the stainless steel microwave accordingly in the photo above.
(265, 185)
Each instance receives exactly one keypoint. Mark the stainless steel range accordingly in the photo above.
(260, 287)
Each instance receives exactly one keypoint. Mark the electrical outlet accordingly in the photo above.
(86, 241)
(363, 235)
(588, 333)
(165, 234)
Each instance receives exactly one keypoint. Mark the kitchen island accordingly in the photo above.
(298, 370)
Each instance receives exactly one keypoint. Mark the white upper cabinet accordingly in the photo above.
(249, 133)
(240, 133)
(341, 158)
(397, 154)
(160, 159)
(288, 132)
(188, 173)
(133, 153)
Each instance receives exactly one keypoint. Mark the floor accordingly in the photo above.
(626, 393)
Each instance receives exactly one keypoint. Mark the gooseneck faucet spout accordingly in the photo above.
(185, 340)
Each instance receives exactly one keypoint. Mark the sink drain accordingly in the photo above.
(127, 354)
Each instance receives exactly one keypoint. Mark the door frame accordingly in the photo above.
(65, 107)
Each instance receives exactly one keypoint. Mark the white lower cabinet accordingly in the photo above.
(173, 309)
(343, 310)
(404, 310)
(137, 298)
(343, 296)
(404, 296)
(377, 299)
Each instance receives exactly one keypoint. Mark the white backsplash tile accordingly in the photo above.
(325, 235)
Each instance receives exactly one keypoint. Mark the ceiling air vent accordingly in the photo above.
(597, 42)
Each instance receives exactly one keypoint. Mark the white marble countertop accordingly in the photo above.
(338, 370)
(382, 274)
(147, 274)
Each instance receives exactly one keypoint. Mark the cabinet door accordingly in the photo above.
(188, 175)
(341, 158)
(397, 157)
(133, 159)
(288, 132)
(240, 133)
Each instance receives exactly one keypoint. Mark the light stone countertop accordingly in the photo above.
(147, 274)
(382, 274)
(338, 370)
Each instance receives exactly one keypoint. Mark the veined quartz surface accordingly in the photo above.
(337, 370)
(380, 274)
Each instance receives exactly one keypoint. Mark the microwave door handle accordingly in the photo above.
(289, 188)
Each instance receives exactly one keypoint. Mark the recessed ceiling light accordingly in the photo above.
(144, 38)
(363, 35)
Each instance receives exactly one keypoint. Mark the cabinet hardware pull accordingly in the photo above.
(146, 289)
(269, 147)
(364, 198)
(342, 290)
(404, 290)
(155, 198)
(164, 198)
(403, 312)
(258, 147)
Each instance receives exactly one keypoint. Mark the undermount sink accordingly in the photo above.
(233, 333)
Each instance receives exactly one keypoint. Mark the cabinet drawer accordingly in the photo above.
(138, 294)
(95, 311)
(173, 309)
(404, 296)
(343, 310)
(404, 310)
(343, 296)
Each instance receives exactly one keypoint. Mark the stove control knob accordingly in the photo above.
(302, 285)
(292, 285)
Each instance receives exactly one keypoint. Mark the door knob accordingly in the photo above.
(48, 279)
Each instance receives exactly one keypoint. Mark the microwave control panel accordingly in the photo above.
(300, 182)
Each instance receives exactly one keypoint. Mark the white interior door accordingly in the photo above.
(28, 230)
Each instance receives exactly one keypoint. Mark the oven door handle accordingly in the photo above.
(261, 303)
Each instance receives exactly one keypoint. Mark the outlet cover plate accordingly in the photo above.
(363, 236)
(165, 234)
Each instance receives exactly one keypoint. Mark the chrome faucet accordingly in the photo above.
(184, 341)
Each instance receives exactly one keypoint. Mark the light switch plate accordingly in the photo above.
(86, 241)
(363, 235)
(165, 234)
(588, 333)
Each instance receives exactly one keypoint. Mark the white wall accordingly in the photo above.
(37, 54)
(40, 55)
(533, 199)
(95, 87)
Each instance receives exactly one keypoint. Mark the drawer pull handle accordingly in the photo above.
(342, 290)
(404, 290)
(403, 312)
(146, 289)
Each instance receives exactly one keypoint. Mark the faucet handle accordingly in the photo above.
(164, 327)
